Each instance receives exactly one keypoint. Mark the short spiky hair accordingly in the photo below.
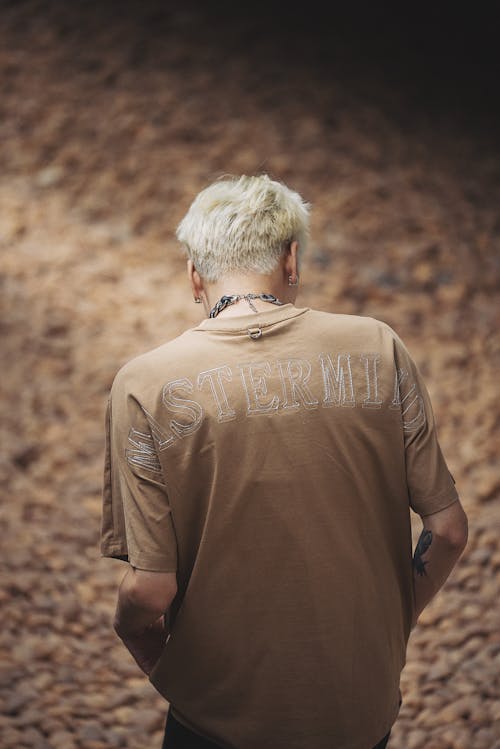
(242, 224)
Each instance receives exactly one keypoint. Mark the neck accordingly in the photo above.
(247, 284)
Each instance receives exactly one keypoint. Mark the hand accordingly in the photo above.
(147, 646)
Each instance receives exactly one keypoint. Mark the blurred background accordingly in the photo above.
(112, 117)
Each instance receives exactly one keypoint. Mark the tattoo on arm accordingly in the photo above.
(423, 544)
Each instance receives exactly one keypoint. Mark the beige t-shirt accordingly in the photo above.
(271, 460)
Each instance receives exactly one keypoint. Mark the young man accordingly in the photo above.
(259, 477)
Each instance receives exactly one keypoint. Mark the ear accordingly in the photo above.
(195, 280)
(291, 261)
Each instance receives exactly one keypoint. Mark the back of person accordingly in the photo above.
(260, 470)
(282, 451)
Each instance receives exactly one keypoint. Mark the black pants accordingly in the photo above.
(178, 736)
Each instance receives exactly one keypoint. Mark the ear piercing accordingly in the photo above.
(197, 300)
(291, 282)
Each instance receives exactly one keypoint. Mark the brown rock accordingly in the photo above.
(416, 739)
(125, 715)
(485, 738)
(480, 556)
(34, 739)
(150, 720)
(463, 707)
(114, 739)
(11, 737)
(120, 697)
(17, 701)
(62, 740)
(42, 680)
(94, 702)
(31, 716)
(440, 670)
(91, 731)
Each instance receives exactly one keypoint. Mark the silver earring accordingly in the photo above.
(293, 283)
(197, 300)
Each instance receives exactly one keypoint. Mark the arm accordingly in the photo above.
(441, 543)
(143, 599)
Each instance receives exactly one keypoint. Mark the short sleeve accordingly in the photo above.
(137, 521)
(431, 487)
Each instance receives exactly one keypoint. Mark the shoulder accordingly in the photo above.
(351, 324)
(144, 370)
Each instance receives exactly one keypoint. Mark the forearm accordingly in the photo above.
(434, 558)
(135, 613)
(143, 599)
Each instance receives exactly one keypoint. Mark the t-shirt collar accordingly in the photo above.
(253, 319)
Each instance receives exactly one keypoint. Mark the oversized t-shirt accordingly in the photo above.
(270, 460)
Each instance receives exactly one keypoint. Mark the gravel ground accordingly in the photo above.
(109, 124)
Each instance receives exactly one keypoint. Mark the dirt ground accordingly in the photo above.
(110, 123)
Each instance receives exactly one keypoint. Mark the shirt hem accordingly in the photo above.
(186, 723)
(140, 560)
(114, 551)
(151, 562)
(436, 503)
(192, 728)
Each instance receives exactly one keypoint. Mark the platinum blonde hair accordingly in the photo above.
(243, 224)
